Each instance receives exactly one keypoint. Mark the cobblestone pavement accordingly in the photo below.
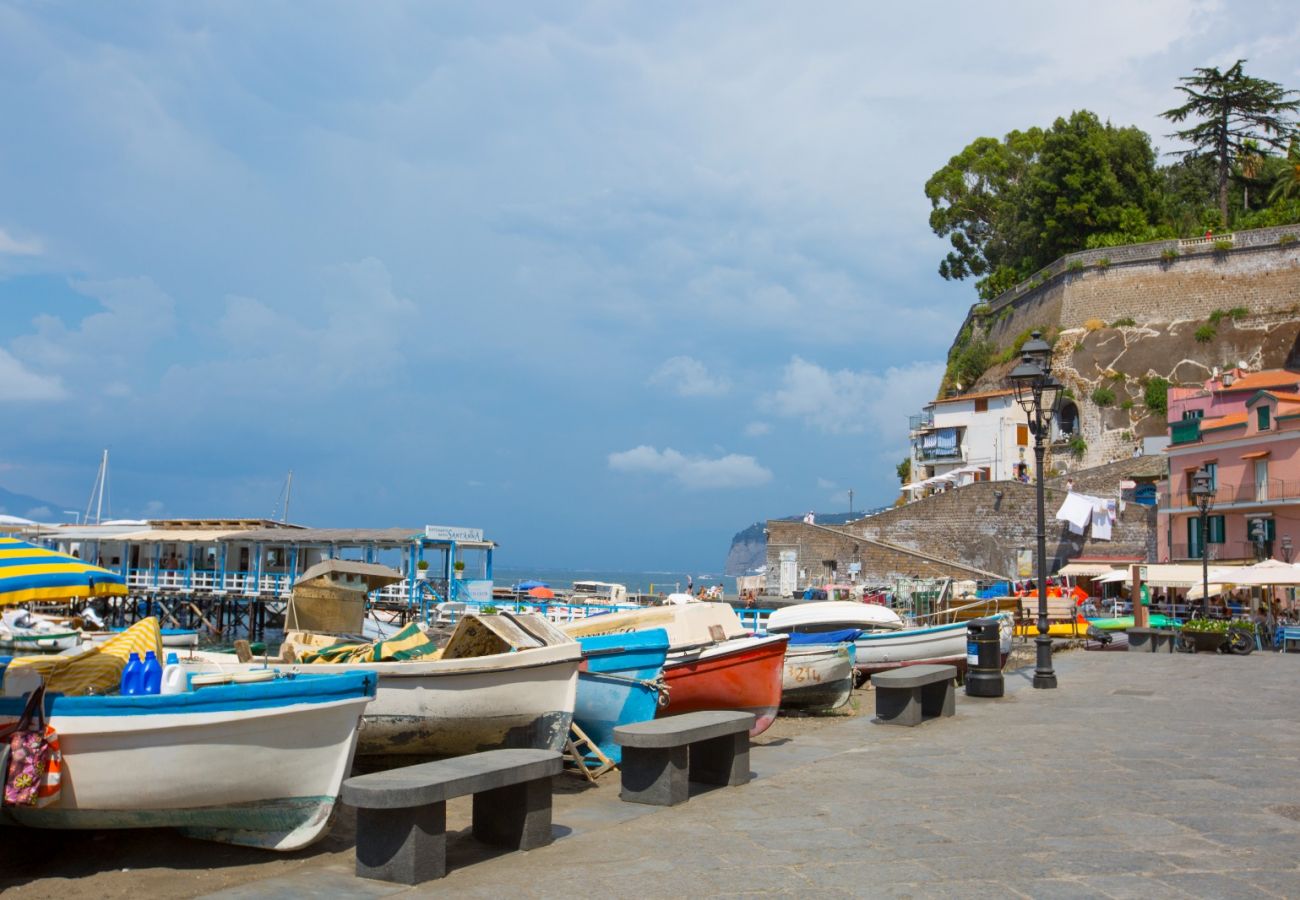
(1141, 775)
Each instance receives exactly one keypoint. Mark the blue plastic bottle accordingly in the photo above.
(131, 675)
(151, 676)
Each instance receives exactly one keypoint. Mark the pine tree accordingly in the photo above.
(1232, 108)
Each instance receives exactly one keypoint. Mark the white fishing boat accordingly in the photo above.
(23, 632)
(833, 615)
(254, 764)
(883, 650)
(817, 676)
(519, 695)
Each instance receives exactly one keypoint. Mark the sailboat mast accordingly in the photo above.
(288, 490)
(103, 477)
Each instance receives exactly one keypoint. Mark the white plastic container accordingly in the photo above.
(173, 679)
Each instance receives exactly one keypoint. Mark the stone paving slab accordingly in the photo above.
(1141, 775)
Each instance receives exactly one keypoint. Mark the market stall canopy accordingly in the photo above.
(29, 572)
(375, 576)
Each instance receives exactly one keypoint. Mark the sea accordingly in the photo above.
(661, 582)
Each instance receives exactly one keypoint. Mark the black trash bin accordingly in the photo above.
(984, 658)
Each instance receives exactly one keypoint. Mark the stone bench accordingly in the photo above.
(661, 757)
(402, 813)
(907, 695)
(1153, 639)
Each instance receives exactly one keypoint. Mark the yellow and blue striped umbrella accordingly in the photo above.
(29, 572)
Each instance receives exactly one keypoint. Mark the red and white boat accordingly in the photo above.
(713, 661)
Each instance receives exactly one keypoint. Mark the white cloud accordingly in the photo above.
(18, 384)
(730, 471)
(13, 246)
(853, 402)
(826, 484)
(757, 429)
(688, 377)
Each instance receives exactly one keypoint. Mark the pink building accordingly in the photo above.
(1248, 439)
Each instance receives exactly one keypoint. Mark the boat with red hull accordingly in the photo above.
(743, 674)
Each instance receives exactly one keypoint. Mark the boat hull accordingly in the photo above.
(817, 676)
(618, 684)
(257, 765)
(459, 706)
(741, 674)
(832, 615)
(21, 643)
(939, 644)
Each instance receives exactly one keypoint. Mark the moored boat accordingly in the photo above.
(742, 674)
(619, 684)
(817, 676)
(833, 615)
(23, 632)
(883, 650)
(515, 693)
(253, 764)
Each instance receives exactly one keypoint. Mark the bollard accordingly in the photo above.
(983, 658)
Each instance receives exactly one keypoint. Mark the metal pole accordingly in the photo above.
(1205, 564)
(1044, 676)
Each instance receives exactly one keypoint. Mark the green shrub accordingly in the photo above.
(1169, 255)
(489, 610)
(1126, 322)
(1218, 316)
(1155, 394)
(1118, 377)
(1127, 404)
(1205, 334)
(1222, 245)
(1237, 313)
(1076, 265)
(1103, 263)
(1286, 239)
(1078, 446)
(1067, 394)
(1103, 396)
(980, 309)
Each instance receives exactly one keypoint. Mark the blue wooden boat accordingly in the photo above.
(618, 683)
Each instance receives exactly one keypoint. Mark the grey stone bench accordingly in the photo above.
(402, 813)
(1153, 639)
(906, 695)
(661, 757)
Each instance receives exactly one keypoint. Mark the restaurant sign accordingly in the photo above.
(452, 533)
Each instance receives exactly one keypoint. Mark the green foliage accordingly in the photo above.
(1118, 377)
(1216, 626)
(967, 360)
(1103, 396)
(1155, 395)
(1236, 314)
(1125, 322)
(1230, 108)
(1223, 245)
(980, 309)
(489, 610)
(1169, 255)
(1076, 265)
(904, 470)
(422, 565)
(1067, 394)
(1205, 334)
(1127, 404)
(1078, 446)
(1286, 240)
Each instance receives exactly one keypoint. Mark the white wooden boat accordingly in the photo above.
(23, 633)
(519, 698)
(912, 646)
(833, 615)
(688, 624)
(817, 676)
(253, 764)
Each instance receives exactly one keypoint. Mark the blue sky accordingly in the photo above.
(609, 280)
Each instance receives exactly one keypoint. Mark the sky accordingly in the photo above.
(611, 281)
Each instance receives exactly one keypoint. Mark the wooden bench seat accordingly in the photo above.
(402, 813)
(661, 757)
(908, 695)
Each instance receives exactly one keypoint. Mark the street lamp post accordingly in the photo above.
(1038, 392)
(1202, 492)
(1287, 549)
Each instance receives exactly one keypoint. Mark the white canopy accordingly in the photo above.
(1270, 571)
(1194, 592)
(1087, 570)
(1162, 575)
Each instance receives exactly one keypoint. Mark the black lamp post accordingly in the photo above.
(1202, 492)
(1038, 393)
(1287, 548)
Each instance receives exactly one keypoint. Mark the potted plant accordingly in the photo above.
(422, 570)
(459, 566)
(1200, 635)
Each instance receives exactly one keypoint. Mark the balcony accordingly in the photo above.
(921, 422)
(1225, 551)
(939, 454)
(1274, 490)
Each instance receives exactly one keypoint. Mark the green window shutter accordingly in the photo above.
(1193, 538)
(1262, 413)
(1215, 530)
(1270, 529)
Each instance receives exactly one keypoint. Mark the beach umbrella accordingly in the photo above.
(542, 593)
(29, 572)
(529, 585)
(1270, 571)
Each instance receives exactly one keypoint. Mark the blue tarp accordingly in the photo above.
(843, 635)
(529, 585)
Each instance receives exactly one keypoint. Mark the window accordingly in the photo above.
(1213, 469)
(1193, 414)
(1262, 417)
(982, 404)
(1194, 538)
(1261, 480)
(1214, 530)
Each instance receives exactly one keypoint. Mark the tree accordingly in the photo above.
(1288, 180)
(904, 470)
(1231, 107)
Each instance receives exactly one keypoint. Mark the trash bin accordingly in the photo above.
(984, 658)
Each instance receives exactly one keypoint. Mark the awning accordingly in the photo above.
(1258, 454)
(1086, 570)
(176, 535)
(1163, 575)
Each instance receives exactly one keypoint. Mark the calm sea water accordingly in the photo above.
(637, 582)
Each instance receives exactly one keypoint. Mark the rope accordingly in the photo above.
(657, 684)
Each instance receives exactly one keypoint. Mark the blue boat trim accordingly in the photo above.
(886, 635)
(218, 698)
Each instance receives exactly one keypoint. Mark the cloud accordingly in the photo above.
(18, 384)
(12, 246)
(826, 484)
(730, 471)
(688, 377)
(39, 514)
(852, 402)
(757, 429)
